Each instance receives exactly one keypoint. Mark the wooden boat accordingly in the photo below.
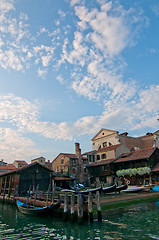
(121, 187)
(32, 210)
(109, 189)
(88, 190)
(85, 191)
(133, 189)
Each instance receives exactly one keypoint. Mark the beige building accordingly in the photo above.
(72, 165)
(40, 160)
(20, 163)
(105, 138)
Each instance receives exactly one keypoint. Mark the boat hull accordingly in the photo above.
(133, 189)
(109, 189)
(31, 210)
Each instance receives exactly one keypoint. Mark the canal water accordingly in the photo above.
(140, 222)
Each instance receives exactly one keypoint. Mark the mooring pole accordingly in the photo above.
(28, 194)
(5, 184)
(47, 199)
(72, 207)
(9, 189)
(15, 191)
(65, 213)
(90, 209)
(53, 191)
(80, 208)
(37, 188)
(98, 206)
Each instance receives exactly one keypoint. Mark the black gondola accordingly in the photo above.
(122, 187)
(109, 189)
(85, 191)
(33, 210)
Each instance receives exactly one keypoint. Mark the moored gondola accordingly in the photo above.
(121, 187)
(33, 210)
(109, 189)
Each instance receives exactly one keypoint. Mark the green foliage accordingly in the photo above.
(133, 171)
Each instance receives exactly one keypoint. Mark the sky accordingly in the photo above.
(71, 67)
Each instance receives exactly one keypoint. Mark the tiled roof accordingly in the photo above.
(103, 162)
(7, 167)
(136, 155)
(88, 152)
(109, 148)
(21, 162)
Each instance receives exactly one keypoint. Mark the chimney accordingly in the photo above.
(78, 150)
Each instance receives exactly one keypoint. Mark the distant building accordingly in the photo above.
(2, 163)
(48, 164)
(106, 138)
(40, 160)
(20, 163)
(72, 165)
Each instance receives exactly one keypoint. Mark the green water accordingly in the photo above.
(141, 222)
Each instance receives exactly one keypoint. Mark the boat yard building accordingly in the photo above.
(20, 180)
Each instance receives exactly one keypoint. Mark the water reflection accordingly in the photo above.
(137, 223)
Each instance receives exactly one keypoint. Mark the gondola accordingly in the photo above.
(109, 189)
(121, 188)
(33, 210)
(85, 191)
(89, 190)
(133, 189)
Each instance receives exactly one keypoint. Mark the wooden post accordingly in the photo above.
(15, 190)
(48, 194)
(53, 191)
(37, 188)
(65, 213)
(80, 208)
(98, 206)
(9, 189)
(28, 194)
(90, 210)
(5, 188)
(72, 207)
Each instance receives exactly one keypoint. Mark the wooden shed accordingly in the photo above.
(18, 181)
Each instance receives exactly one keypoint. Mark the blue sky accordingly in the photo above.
(71, 67)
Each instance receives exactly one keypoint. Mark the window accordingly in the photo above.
(98, 157)
(99, 147)
(103, 156)
(89, 158)
(104, 167)
(110, 144)
(105, 144)
(62, 160)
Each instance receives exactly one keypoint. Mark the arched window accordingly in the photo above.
(104, 144)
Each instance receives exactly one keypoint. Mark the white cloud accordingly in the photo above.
(15, 146)
(23, 118)
(79, 52)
